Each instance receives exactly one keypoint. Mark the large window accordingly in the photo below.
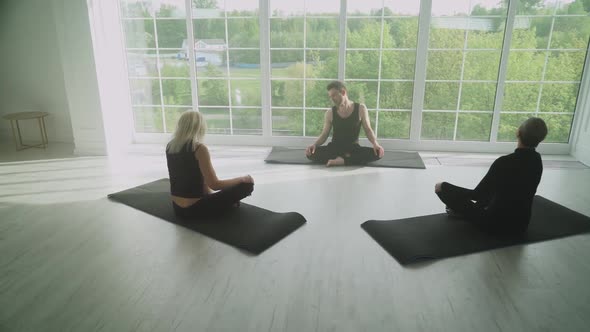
(464, 51)
(304, 39)
(269, 80)
(227, 59)
(545, 66)
(381, 39)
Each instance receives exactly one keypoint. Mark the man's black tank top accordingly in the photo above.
(186, 179)
(346, 130)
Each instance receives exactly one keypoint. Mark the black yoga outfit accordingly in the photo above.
(345, 141)
(186, 180)
(502, 201)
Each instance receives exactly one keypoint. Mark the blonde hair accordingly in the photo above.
(190, 128)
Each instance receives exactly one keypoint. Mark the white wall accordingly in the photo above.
(63, 56)
(80, 78)
(581, 148)
(32, 74)
(581, 137)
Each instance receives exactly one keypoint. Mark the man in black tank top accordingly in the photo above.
(346, 118)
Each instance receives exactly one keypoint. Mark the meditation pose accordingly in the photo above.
(192, 177)
(346, 117)
(502, 201)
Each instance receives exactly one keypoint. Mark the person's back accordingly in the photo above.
(502, 201)
(516, 181)
(186, 179)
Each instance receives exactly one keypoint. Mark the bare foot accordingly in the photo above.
(335, 162)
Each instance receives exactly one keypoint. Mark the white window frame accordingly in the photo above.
(414, 142)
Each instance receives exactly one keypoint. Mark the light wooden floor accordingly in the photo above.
(71, 260)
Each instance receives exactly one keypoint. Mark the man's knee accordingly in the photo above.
(246, 188)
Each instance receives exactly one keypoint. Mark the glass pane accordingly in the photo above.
(139, 63)
(177, 92)
(450, 8)
(314, 122)
(481, 65)
(531, 32)
(210, 64)
(398, 64)
(396, 95)
(211, 32)
(490, 35)
(438, 126)
(286, 32)
(207, 8)
(241, 7)
(520, 97)
(477, 96)
(400, 32)
(286, 8)
(243, 32)
(525, 66)
(217, 120)
(173, 64)
(559, 98)
(401, 7)
(443, 35)
(509, 124)
(244, 63)
(145, 92)
(322, 8)
(247, 121)
(488, 8)
(316, 94)
(245, 92)
(444, 65)
(571, 32)
(139, 33)
(148, 120)
(394, 125)
(172, 115)
(364, 8)
(474, 127)
(171, 33)
(136, 8)
(321, 64)
(537, 7)
(559, 126)
(287, 93)
(363, 33)
(565, 66)
(363, 92)
(362, 64)
(213, 92)
(287, 64)
(441, 96)
(322, 32)
(287, 122)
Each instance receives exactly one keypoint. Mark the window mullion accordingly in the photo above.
(499, 98)
(420, 70)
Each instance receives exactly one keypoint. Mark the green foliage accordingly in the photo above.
(541, 90)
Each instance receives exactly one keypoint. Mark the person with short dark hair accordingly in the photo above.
(502, 201)
(345, 118)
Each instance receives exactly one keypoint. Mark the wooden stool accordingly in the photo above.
(14, 117)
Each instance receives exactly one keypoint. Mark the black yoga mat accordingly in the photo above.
(396, 159)
(438, 236)
(246, 227)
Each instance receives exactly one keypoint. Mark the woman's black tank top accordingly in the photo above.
(186, 179)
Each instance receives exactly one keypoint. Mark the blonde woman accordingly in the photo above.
(196, 191)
